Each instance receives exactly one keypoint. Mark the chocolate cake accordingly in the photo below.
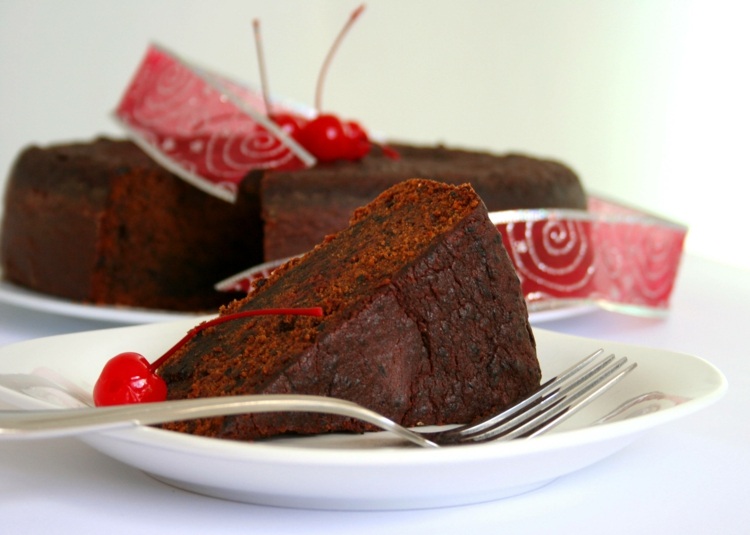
(101, 222)
(301, 207)
(424, 321)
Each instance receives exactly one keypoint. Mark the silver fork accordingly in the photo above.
(554, 402)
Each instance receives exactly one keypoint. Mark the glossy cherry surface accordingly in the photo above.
(128, 378)
(329, 139)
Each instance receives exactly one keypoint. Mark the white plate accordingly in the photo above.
(28, 299)
(346, 472)
(21, 297)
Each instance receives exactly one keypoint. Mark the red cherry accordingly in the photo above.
(328, 139)
(324, 138)
(128, 378)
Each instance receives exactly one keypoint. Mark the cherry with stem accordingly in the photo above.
(326, 137)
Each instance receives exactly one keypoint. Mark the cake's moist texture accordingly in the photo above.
(301, 207)
(424, 322)
(102, 223)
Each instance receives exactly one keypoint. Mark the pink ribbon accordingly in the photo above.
(202, 126)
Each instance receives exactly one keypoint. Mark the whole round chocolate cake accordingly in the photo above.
(101, 222)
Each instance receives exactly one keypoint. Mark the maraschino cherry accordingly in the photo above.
(326, 137)
(330, 139)
(129, 378)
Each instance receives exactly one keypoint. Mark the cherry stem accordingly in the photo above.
(314, 311)
(261, 66)
(324, 69)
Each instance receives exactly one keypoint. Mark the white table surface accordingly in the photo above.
(687, 477)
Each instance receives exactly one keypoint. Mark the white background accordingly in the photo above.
(646, 100)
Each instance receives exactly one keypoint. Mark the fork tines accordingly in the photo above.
(554, 402)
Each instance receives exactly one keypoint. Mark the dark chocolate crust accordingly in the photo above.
(301, 207)
(424, 322)
(102, 223)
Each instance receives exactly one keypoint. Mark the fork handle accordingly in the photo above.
(50, 423)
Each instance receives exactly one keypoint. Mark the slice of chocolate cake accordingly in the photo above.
(424, 322)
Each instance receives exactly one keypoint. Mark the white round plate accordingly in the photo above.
(21, 297)
(371, 471)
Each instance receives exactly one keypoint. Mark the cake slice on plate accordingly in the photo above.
(424, 321)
